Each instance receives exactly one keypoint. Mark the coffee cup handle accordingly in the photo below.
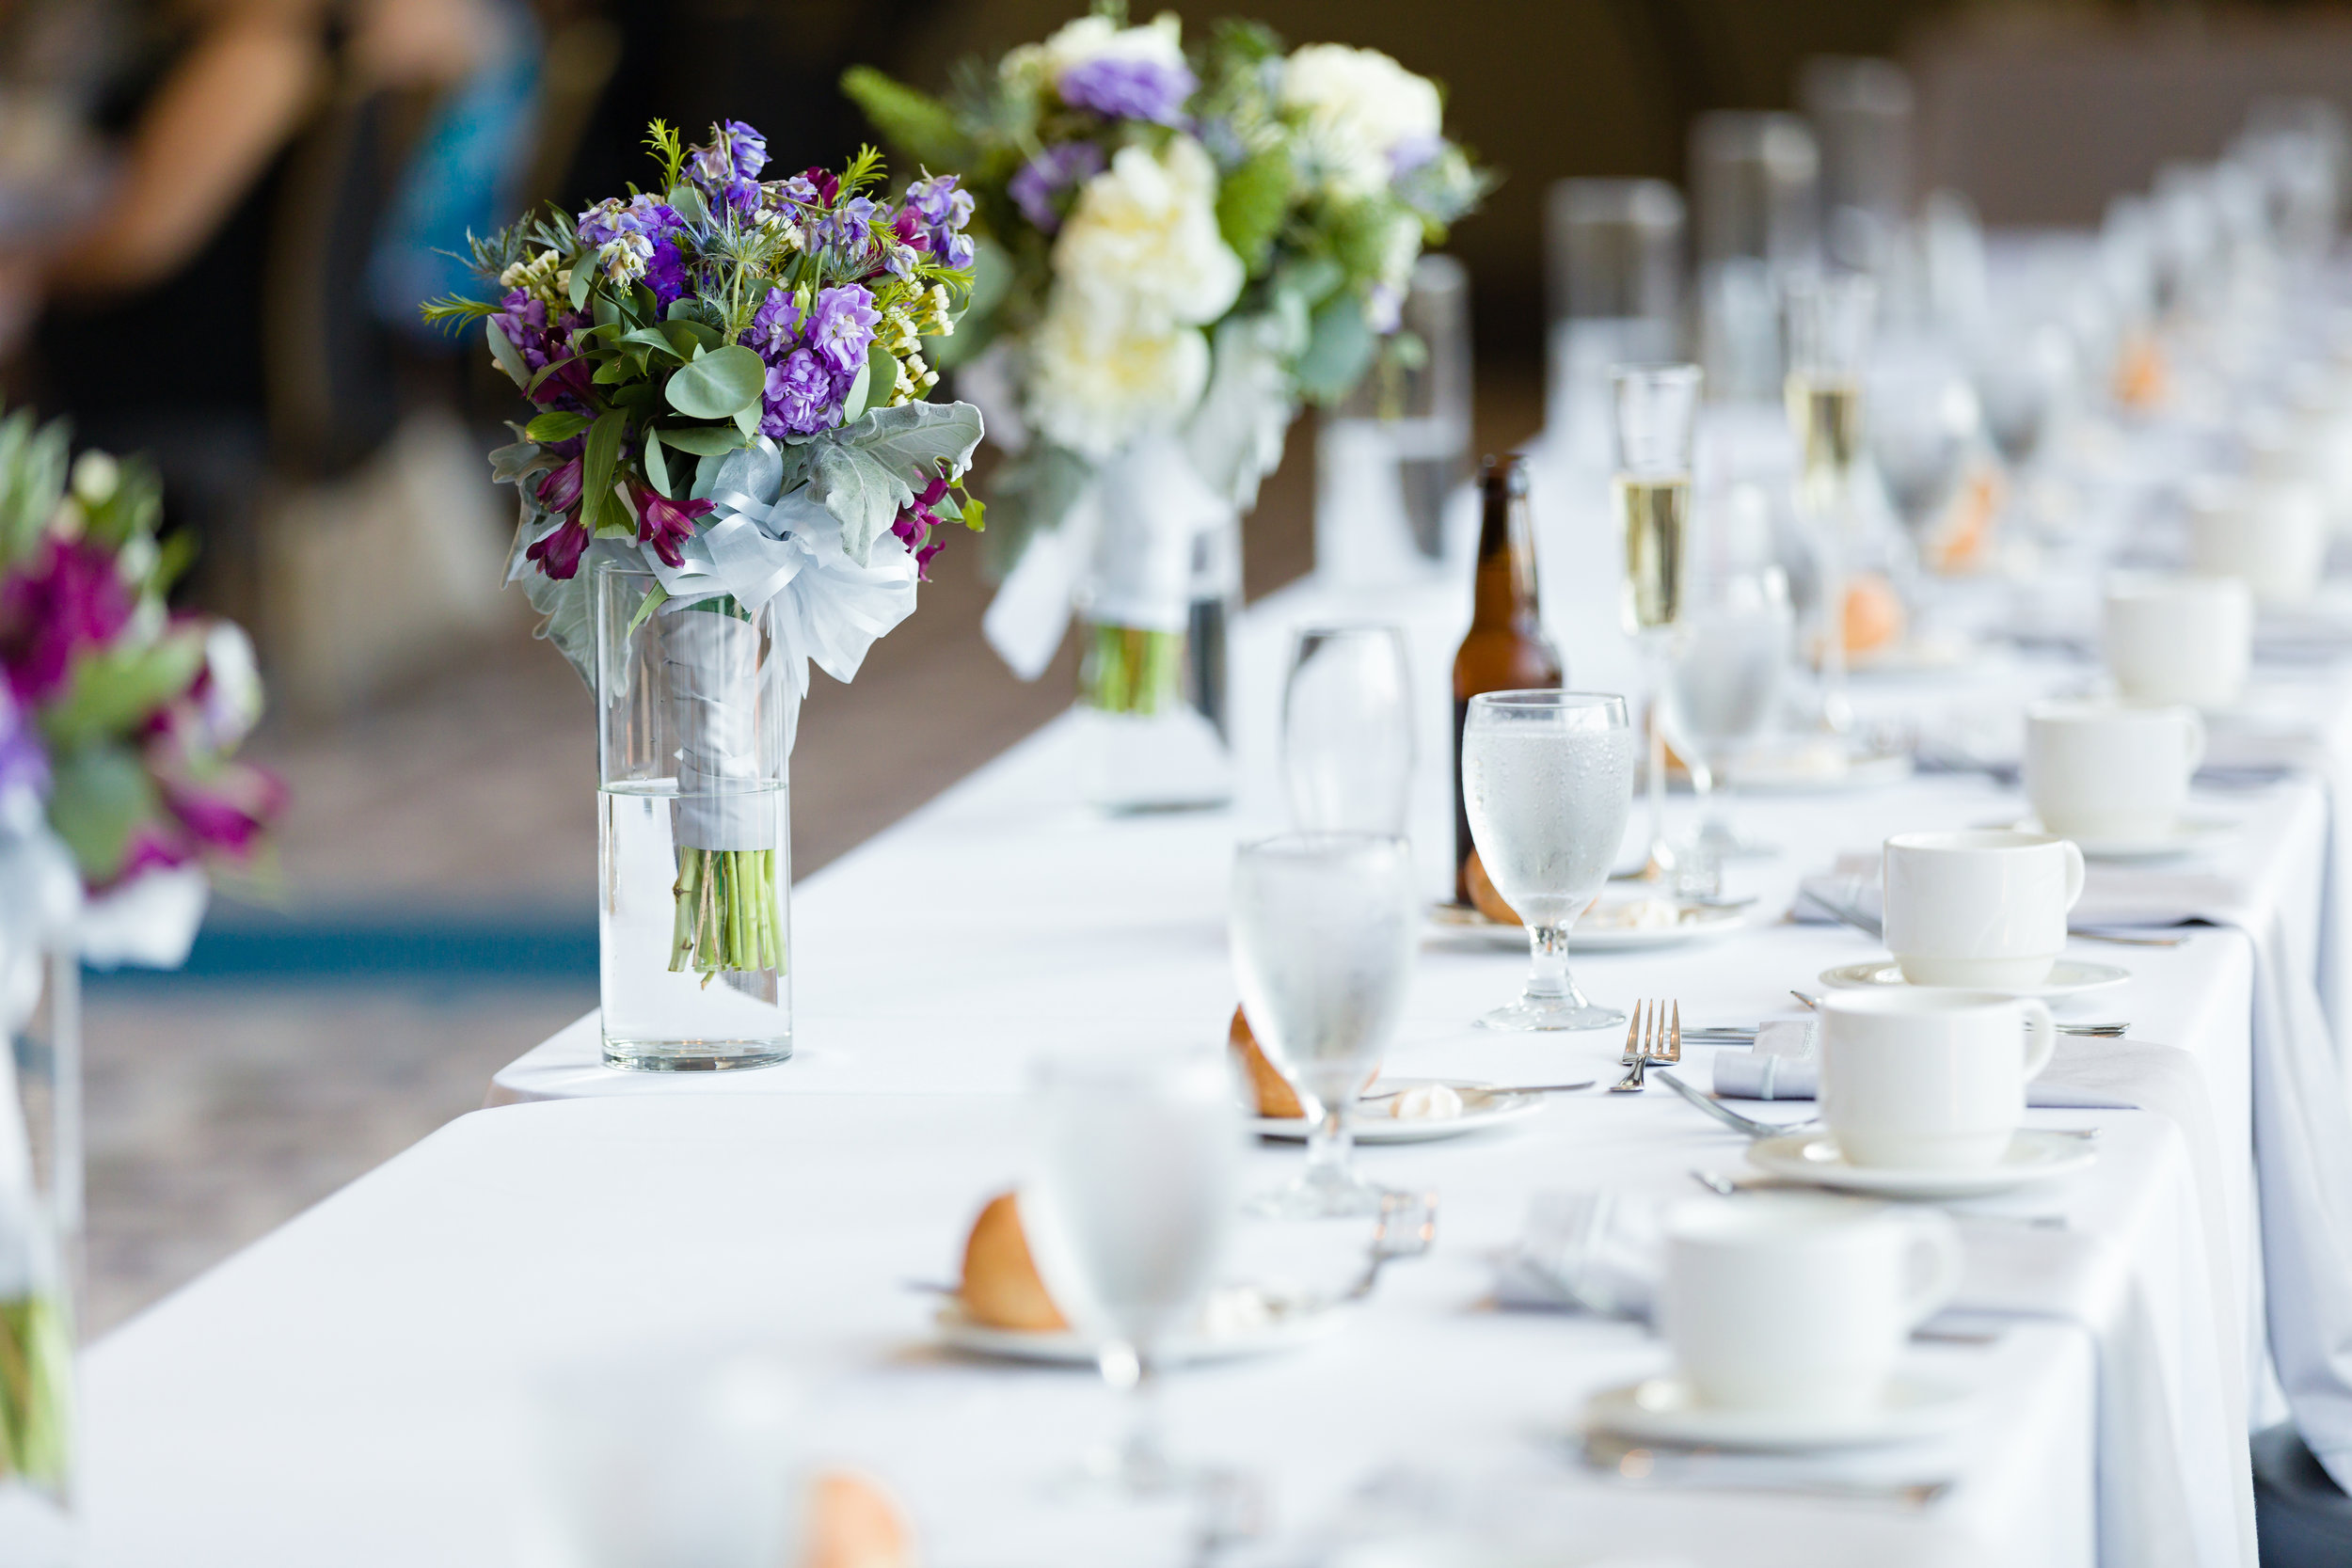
(2074, 871)
(1940, 1239)
(2044, 1032)
(2196, 739)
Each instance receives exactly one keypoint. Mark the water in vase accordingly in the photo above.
(694, 949)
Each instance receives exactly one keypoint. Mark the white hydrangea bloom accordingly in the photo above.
(1159, 42)
(1143, 240)
(1096, 380)
(1138, 268)
(1358, 107)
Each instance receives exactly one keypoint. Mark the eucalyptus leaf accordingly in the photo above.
(747, 419)
(882, 366)
(719, 384)
(596, 469)
(853, 405)
(685, 335)
(688, 203)
(657, 339)
(1337, 350)
(702, 440)
(99, 795)
(556, 425)
(583, 277)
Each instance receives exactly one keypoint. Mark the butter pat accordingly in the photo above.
(1426, 1102)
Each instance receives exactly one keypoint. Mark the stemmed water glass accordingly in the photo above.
(1127, 1207)
(1548, 783)
(1725, 676)
(1347, 730)
(1830, 319)
(1657, 425)
(1323, 931)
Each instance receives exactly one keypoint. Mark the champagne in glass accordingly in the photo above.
(1657, 517)
(1830, 319)
(1548, 779)
(1323, 931)
(1127, 1208)
(1657, 428)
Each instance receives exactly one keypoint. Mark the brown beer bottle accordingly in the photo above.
(1506, 649)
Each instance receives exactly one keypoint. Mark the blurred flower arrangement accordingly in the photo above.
(1179, 247)
(729, 374)
(118, 723)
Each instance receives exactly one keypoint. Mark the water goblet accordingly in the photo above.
(1722, 687)
(1548, 783)
(1127, 1207)
(1347, 730)
(1324, 932)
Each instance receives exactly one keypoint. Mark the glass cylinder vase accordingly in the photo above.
(695, 714)
(1154, 703)
(41, 1227)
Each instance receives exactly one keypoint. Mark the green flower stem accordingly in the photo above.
(35, 1391)
(1133, 670)
(727, 916)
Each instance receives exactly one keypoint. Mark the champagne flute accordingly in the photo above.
(1829, 337)
(1129, 1198)
(1347, 730)
(1656, 410)
(1548, 781)
(1323, 931)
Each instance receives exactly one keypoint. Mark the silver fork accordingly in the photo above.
(1408, 1223)
(1654, 1041)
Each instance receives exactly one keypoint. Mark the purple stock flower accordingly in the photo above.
(846, 228)
(1128, 88)
(665, 275)
(800, 397)
(611, 218)
(841, 326)
(72, 599)
(942, 211)
(775, 326)
(666, 524)
(1047, 175)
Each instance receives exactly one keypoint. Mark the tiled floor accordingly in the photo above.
(217, 1110)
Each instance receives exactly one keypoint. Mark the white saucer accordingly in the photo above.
(1694, 923)
(2068, 978)
(1810, 771)
(2033, 1156)
(1285, 1324)
(2189, 834)
(1482, 1107)
(1666, 1410)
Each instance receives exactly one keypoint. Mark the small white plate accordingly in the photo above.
(1667, 1410)
(1810, 771)
(2189, 835)
(2068, 978)
(1284, 1324)
(2033, 1156)
(1694, 923)
(1482, 1107)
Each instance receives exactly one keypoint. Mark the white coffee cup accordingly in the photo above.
(2178, 639)
(1800, 1304)
(1930, 1079)
(1979, 908)
(2106, 770)
(2273, 532)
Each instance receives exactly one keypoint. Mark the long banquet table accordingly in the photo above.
(353, 1387)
